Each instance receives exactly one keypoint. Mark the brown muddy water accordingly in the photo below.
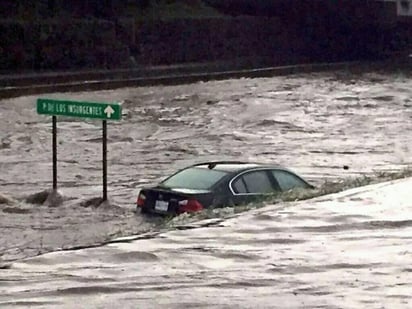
(348, 250)
(314, 124)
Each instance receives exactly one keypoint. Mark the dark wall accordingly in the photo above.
(303, 31)
(60, 45)
(365, 11)
(216, 39)
(80, 44)
(26, 10)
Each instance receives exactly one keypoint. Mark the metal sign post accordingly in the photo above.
(104, 111)
(54, 145)
(104, 138)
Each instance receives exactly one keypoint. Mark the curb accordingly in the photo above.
(124, 78)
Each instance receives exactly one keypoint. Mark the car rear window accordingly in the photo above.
(194, 178)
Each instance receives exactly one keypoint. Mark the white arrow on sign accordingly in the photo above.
(108, 111)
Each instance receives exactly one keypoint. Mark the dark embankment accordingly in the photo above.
(266, 33)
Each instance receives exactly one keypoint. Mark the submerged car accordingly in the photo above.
(216, 184)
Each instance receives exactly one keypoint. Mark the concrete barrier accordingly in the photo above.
(169, 75)
(100, 80)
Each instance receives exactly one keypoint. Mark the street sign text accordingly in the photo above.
(105, 111)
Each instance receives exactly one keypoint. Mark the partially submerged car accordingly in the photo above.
(217, 184)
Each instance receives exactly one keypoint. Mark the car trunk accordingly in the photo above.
(173, 201)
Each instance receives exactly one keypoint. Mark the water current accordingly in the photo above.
(324, 253)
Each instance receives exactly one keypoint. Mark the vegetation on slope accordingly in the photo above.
(106, 9)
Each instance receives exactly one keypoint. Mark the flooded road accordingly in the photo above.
(348, 250)
(315, 124)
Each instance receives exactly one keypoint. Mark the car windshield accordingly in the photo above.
(194, 178)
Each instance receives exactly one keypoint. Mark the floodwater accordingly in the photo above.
(349, 250)
(318, 254)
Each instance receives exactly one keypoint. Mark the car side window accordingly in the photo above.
(239, 186)
(258, 182)
(287, 180)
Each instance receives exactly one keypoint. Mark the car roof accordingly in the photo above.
(235, 166)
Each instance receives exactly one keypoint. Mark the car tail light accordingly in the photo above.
(190, 205)
(140, 200)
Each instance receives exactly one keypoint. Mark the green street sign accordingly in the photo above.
(105, 111)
